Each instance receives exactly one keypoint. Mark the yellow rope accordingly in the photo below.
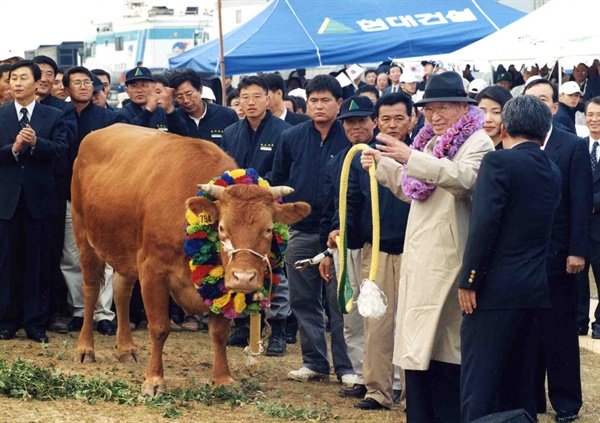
(345, 294)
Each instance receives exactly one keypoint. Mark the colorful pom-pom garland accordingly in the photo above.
(203, 247)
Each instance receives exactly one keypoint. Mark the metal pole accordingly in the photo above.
(222, 56)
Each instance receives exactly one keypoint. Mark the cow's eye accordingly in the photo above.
(269, 230)
(221, 228)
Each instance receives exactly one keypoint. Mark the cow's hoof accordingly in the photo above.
(154, 390)
(129, 358)
(223, 381)
(85, 358)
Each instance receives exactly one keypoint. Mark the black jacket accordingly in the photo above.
(565, 118)
(212, 125)
(571, 229)
(159, 119)
(301, 162)
(331, 201)
(595, 224)
(32, 175)
(393, 212)
(252, 149)
(514, 202)
(296, 118)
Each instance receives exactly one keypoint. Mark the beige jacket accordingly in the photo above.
(429, 317)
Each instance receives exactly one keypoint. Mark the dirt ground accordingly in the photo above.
(187, 359)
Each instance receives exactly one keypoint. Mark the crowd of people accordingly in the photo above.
(487, 200)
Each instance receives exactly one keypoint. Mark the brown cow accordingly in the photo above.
(129, 192)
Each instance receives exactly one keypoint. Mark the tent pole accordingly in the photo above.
(222, 56)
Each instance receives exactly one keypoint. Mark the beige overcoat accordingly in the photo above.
(429, 316)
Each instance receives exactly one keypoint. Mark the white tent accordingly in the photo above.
(563, 30)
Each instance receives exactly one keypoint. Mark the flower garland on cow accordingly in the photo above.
(203, 247)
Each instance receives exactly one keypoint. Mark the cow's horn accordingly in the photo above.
(279, 192)
(212, 190)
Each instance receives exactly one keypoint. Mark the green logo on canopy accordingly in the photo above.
(353, 106)
(138, 72)
(329, 26)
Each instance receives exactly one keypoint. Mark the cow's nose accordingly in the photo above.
(243, 280)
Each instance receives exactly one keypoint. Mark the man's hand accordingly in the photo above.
(168, 103)
(575, 264)
(467, 300)
(331, 243)
(393, 148)
(325, 267)
(26, 136)
(152, 102)
(18, 145)
(367, 157)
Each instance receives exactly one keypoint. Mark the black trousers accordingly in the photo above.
(433, 395)
(59, 291)
(558, 355)
(24, 272)
(583, 287)
(498, 349)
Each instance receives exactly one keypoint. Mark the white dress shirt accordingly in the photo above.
(18, 108)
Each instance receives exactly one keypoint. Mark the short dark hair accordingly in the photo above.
(66, 79)
(233, 94)
(367, 89)
(394, 98)
(60, 70)
(495, 93)
(300, 103)
(4, 69)
(292, 100)
(371, 71)
(46, 61)
(594, 100)
(101, 72)
(34, 68)
(160, 78)
(528, 117)
(253, 80)
(543, 81)
(275, 82)
(185, 75)
(324, 83)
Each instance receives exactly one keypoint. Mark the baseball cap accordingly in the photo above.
(504, 76)
(138, 74)
(208, 93)
(477, 85)
(408, 77)
(428, 62)
(356, 105)
(570, 87)
(98, 85)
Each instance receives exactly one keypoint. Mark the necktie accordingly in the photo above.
(24, 120)
(594, 157)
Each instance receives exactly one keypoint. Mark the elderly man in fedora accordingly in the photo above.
(437, 175)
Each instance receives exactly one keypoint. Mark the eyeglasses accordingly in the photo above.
(187, 96)
(139, 86)
(256, 97)
(85, 83)
(592, 115)
(442, 111)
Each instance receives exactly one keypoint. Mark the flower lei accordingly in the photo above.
(203, 247)
(446, 147)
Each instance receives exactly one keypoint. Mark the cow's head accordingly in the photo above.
(245, 216)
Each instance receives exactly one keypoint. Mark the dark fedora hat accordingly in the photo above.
(448, 87)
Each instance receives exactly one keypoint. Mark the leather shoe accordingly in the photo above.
(75, 324)
(277, 344)
(397, 395)
(596, 332)
(40, 337)
(6, 334)
(566, 419)
(289, 339)
(369, 404)
(356, 391)
(582, 330)
(105, 327)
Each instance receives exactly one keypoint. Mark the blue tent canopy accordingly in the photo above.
(291, 34)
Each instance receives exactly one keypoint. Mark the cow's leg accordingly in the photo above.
(155, 293)
(92, 268)
(186, 296)
(126, 349)
(218, 326)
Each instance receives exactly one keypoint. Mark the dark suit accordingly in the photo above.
(27, 200)
(388, 90)
(516, 195)
(295, 118)
(583, 279)
(559, 351)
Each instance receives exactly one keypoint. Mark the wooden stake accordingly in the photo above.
(254, 338)
(222, 56)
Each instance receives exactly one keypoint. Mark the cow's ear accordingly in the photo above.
(210, 209)
(291, 213)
